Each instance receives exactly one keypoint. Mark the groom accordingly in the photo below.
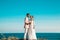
(26, 25)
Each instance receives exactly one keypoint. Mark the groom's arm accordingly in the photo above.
(24, 22)
(24, 26)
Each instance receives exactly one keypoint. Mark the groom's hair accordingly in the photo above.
(27, 14)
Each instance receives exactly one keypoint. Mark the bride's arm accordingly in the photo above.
(33, 25)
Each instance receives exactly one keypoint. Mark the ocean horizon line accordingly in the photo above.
(36, 32)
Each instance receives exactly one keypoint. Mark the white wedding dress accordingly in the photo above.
(31, 33)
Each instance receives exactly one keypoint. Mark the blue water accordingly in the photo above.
(49, 36)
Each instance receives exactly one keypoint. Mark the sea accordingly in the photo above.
(49, 36)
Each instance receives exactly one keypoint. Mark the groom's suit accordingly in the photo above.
(26, 26)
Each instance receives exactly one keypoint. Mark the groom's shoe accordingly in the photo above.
(24, 39)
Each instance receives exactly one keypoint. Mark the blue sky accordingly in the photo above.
(46, 15)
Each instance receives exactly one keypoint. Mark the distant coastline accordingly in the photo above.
(50, 36)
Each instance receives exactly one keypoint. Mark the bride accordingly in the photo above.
(31, 33)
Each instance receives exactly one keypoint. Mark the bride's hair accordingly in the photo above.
(31, 17)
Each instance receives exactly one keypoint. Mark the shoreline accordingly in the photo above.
(19, 36)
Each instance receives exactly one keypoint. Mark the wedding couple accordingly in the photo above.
(29, 28)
